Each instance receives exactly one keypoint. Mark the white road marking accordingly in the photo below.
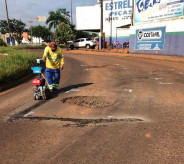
(124, 68)
(88, 69)
(158, 78)
(128, 90)
(181, 73)
(28, 114)
(73, 90)
(83, 65)
(166, 83)
(111, 117)
(116, 64)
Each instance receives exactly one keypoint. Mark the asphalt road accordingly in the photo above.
(109, 109)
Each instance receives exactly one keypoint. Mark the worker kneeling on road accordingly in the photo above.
(54, 64)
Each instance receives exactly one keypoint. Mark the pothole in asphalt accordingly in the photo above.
(90, 101)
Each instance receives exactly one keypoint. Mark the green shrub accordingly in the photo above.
(2, 43)
(22, 47)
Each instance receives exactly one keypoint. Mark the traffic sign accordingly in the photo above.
(41, 18)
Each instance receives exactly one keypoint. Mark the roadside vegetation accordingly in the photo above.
(2, 43)
(14, 64)
(16, 61)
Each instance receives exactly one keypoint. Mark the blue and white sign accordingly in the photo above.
(150, 39)
(147, 10)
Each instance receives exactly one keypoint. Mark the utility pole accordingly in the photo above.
(111, 26)
(8, 21)
(132, 19)
(71, 13)
(101, 27)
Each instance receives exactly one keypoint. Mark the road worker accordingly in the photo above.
(54, 64)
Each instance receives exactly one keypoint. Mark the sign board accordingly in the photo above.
(147, 10)
(116, 13)
(150, 39)
(41, 18)
(88, 17)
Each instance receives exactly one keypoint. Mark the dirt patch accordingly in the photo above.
(90, 101)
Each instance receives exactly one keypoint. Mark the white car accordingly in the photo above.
(83, 43)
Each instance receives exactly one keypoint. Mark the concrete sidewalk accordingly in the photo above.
(123, 53)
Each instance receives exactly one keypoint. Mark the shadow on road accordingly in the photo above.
(68, 88)
(41, 102)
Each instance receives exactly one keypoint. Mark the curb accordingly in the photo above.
(170, 58)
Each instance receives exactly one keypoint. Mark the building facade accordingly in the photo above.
(158, 27)
(116, 20)
(155, 27)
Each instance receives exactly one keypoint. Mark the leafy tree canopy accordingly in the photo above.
(64, 33)
(41, 31)
(58, 16)
(17, 27)
(82, 34)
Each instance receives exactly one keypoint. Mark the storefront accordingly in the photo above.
(116, 20)
(158, 27)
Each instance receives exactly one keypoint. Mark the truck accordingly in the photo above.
(83, 43)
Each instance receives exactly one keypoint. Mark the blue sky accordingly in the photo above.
(28, 9)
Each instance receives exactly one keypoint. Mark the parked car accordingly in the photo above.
(83, 43)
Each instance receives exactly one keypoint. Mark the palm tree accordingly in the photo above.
(58, 16)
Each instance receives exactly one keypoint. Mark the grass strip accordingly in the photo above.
(16, 64)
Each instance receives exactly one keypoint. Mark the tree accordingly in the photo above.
(82, 34)
(17, 28)
(58, 16)
(64, 33)
(41, 32)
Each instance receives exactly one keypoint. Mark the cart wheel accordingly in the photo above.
(36, 97)
(47, 93)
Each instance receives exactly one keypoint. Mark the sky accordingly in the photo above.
(27, 10)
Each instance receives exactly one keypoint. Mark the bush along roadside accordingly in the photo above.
(15, 65)
(2, 43)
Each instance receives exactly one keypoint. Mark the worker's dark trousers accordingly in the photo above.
(53, 78)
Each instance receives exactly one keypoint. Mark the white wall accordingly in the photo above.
(116, 13)
(176, 25)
